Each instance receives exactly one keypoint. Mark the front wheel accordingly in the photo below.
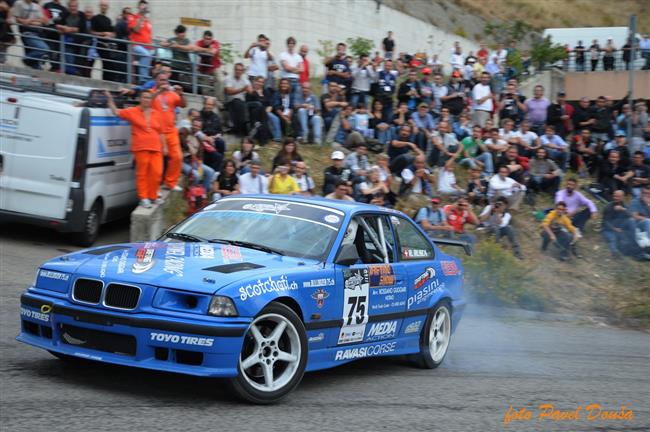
(273, 357)
(91, 226)
(435, 337)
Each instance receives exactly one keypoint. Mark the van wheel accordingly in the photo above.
(91, 226)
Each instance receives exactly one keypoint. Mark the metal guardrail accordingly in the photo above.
(68, 54)
(618, 64)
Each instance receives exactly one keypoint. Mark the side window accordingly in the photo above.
(365, 233)
(412, 244)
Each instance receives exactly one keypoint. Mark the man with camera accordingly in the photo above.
(496, 218)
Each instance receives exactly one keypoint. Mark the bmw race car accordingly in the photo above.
(256, 289)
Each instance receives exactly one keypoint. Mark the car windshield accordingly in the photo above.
(284, 227)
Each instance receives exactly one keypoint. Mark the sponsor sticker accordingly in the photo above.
(49, 274)
(318, 338)
(259, 207)
(414, 327)
(102, 267)
(268, 286)
(143, 260)
(355, 305)
(333, 219)
(414, 253)
(230, 254)
(449, 268)
(183, 340)
(381, 330)
(369, 351)
(421, 296)
(315, 283)
(175, 259)
(381, 275)
(121, 263)
(39, 316)
(204, 251)
(320, 295)
(425, 277)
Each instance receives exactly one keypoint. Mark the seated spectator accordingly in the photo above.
(283, 103)
(501, 185)
(544, 175)
(447, 180)
(245, 155)
(236, 87)
(373, 190)
(620, 145)
(227, 182)
(445, 146)
(303, 179)
(402, 144)
(211, 120)
(638, 176)
(213, 148)
(433, 220)
(557, 148)
(340, 192)
(425, 126)
(288, 155)
(518, 165)
(470, 155)
(496, 218)
(528, 140)
(557, 228)
(281, 182)
(384, 170)
(458, 215)
(511, 104)
(416, 178)
(496, 144)
(579, 208)
(360, 121)
(618, 226)
(253, 181)
(335, 173)
(409, 91)
(508, 132)
(380, 124)
(332, 102)
(346, 135)
(357, 161)
(463, 127)
(401, 116)
(477, 187)
(259, 104)
(640, 209)
(193, 166)
(307, 107)
(584, 158)
(611, 175)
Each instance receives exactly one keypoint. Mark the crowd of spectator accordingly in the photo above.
(401, 133)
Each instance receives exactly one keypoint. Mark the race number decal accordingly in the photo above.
(355, 305)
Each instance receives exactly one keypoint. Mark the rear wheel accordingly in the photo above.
(435, 337)
(91, 226)
(273, 357)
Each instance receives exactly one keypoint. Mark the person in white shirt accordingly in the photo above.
(496, 218)
(447, 180)
(303, 180)
(457, 59)
(482, 96)
(418, 177)
(291, 65)
(253, 182)
(261, 58)
(502, 185)
(528, 140)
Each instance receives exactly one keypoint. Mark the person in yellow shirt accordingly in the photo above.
(282, 183)
(557, 228)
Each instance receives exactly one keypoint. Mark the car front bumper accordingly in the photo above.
(171, 344)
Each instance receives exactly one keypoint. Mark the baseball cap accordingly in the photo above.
(338, 155)
(426, 71)
(456, 74)
(620, 133)
(435, 200)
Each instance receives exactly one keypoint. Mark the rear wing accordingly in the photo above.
(467, 247)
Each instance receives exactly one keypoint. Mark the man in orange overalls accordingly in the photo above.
(166, 100)
(147, 142)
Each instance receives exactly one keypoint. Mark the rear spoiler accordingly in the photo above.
(467, 247)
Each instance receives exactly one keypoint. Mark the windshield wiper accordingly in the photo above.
(249, 245)
(184, 237)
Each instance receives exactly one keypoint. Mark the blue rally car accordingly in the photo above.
(257, 289)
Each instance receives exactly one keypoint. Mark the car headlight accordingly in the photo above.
(222, 306)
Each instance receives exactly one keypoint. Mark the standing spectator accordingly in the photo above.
(433, 220)
(579, 208)
(557, 148)
(308, 110)
(340, 192)
(608, 56)
(579, 56)
(89, 50)
(389, 45)
(537, 108)
(262, 61)
(627, 53)
(557, 228)
(55, 10)
(227, 183)
(618, 225)
(209, 67)
(458, 215)
(181, 47)
(496, 218)
(386, 84)
(639, 175)
(102, 27)
(644, 46)
(409, 91)
(147, 143)
(29, 16)
(338, 68)
(440, 92)
(601, 127)
(166, 100)
(559, 115)
(305, 183)
(544, 174)
(594, 54)
(511, 105)
(455, 97)
(640, 209)
(502, 185)
(336, 172)
(483, 100)
(457, 60)
(140, 34)
(304, 75)
(291, 65)
(235, 88)
(363, 75)
(640, 129)
(122, 33)
(70, 25)
(475, 154)
(6, 38)
(253, 182)
(582, 116)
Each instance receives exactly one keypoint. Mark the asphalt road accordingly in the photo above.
(493, 363)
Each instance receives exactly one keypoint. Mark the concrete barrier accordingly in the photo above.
(148, 224)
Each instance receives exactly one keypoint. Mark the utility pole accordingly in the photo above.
(633, 44)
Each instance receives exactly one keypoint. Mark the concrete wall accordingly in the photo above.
(239, 23)
(612, 83)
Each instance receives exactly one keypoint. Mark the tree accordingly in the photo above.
(226, 53)
(326, 49)
(544, 51)
(360, 46)
(506, 32)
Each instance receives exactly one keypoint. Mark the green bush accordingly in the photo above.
(494, 276)
(360, 46)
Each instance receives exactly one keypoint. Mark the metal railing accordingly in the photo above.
(600, 62)
(70, 53)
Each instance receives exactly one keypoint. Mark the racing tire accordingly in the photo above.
(435, 337)
(92, 221)
(273, 357)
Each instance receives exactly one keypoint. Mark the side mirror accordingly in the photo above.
(348, 255)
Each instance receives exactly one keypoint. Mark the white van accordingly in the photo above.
(65, 160)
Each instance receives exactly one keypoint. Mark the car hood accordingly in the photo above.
(197, 267)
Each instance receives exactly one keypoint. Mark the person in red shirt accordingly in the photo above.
(459, 214)
(147, 142)
(209, 50)
(140, 34)
(304, 76)
(166, 100)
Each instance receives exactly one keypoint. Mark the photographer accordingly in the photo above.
(363, 75)
(496, 218)
(511, 105)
